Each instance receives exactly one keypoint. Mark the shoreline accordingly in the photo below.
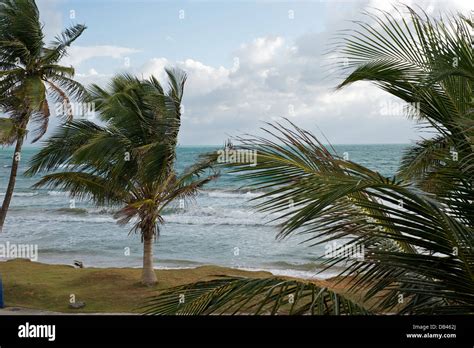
(288, 272)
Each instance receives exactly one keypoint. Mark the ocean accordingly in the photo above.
(218, 227)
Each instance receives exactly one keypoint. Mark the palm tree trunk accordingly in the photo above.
(148, 272)
(11, 182)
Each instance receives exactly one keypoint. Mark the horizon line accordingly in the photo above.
(29, 146)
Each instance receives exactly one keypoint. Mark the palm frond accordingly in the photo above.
(59, 46)
(245, 296)
(427, 62)
(334, 199)
(19, 22)
(414, 247)
(41, 117)
(61, 146)
(83, 185)
(7, 131)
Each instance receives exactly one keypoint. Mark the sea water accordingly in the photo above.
(220, 226)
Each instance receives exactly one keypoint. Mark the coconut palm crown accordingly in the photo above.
(128, 162)
(30, 73)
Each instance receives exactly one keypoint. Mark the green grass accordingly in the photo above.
(111, 290)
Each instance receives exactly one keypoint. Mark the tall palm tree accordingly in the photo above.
(417, 228)
(29, 74)
(129, 162)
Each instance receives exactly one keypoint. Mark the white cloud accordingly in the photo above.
(271, 77)
(91, 72)
(274, 79)
(202, 79)
(79, 54)
(279, 77)
(156, 67)
(462, 5)
(261, 50)
(92, 76)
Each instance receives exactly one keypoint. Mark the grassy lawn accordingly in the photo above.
(113, 290)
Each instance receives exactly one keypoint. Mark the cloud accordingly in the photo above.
(91, 72)
(79, 54)
(271, 78)
(202, 79)
(274, 76)
(261, 50)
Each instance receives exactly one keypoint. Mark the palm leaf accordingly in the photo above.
(251, 296)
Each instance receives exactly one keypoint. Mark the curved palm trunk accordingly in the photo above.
(148, 272)
(11, 182)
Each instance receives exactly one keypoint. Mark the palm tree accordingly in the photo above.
(29, 74)
(129, 162)
(417, 228)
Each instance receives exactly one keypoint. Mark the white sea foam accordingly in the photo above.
(214, 220)
(197, 215)
(57, 193)
(51, 218)
(233, 194)
(298, 274)
(21, 194)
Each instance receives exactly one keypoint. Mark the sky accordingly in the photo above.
(248, 62)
